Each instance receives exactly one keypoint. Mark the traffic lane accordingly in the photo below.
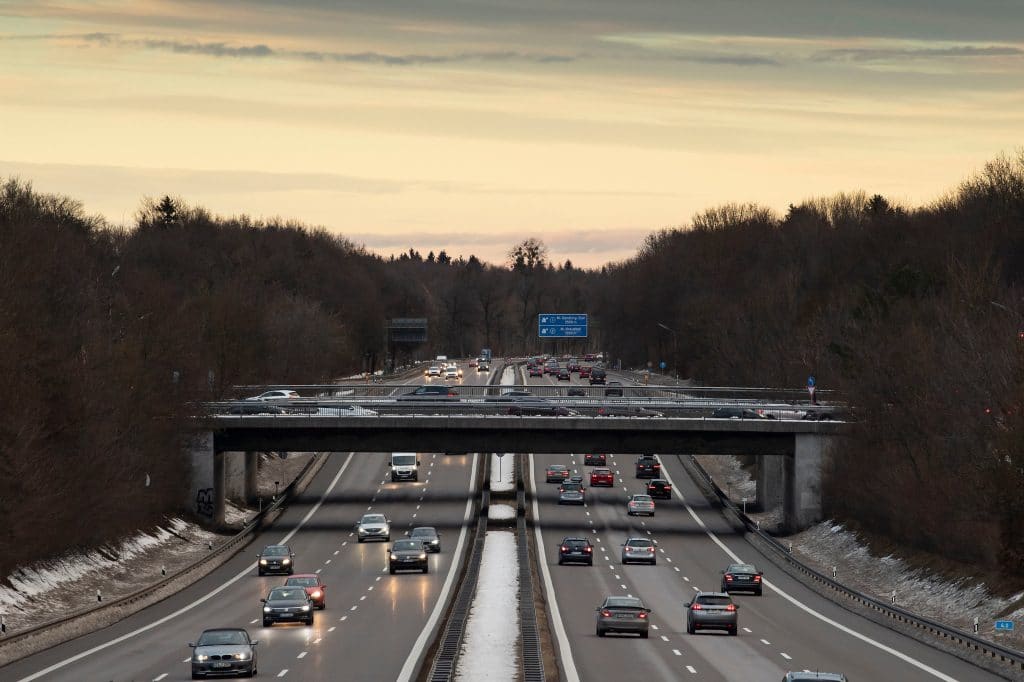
(237, 607)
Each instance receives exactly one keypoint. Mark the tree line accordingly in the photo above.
(110, 333)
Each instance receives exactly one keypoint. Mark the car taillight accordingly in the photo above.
(728, 578)
(697, 607)
(600, 411)
(641, 615)
(650, 549)
(564, 548)
(606, 613)
(757, 578)
(667, 487)
(730, 607)
(589, 549)
(657, 466)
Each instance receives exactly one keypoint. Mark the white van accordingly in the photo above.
(405, 466)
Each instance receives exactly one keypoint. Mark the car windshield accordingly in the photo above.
(403, 460)
(374, 518)
(222, 637)
(300, 582)
(641, 498)
(742, 568)
(639, 542)
(275, 550)
(286, 594)
(558, 467)
(422, 533)
(624, 602)
(571, 485)
(602, 471)
(576, 542)
(714, 599)
(407, 545)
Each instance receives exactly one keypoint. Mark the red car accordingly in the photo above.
(536, 371)
(585, 371)
(602, 476)
(313, 586)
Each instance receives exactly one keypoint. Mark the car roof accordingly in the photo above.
(602, 470)
(623, 601)
(831, 677)
(304, 575)
(570, 539)
(557, 466)
(637, 538)
(226, 630)
(712, 594)
(423, 528)
(275, 547)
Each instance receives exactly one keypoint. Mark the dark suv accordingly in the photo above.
(598, 376)
(576, 550)
(647, 466)
(659, 488)
(594, 460)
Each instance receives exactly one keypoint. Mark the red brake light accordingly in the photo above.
(589, 549)
(564, 548)
(650, 549)
(730, 607)
(728, 577)
(697, 607)
(642, 614)
(606, 613)
(668, 487)
(757, 578)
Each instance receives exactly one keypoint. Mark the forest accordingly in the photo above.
(912, 315)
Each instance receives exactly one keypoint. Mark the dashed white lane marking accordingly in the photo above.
(253, 621)
(370, 588)
(747, 630)
(786, 656)
(344, 543)
(664, 638)
(336, 552)
(186, 660)
(361, 599)
(344, 617)
(695, 588)
(417, 507)
(377, 579)
(691, 669)
(617, 577)
(622, 586)
(159, 677)
(319, 569)
(318, 640)
(302, 654)
(357, 606)
(283, 673)
(677, 652)
(599, 539)
(351, 534)
(369, 508)
(328, 561)
(685, 578)
(655, 627)
(668, 559)
(675, 568)
(766, 642)
(414, 516)
(332, 628)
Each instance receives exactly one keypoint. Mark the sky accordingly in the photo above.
(470, 125)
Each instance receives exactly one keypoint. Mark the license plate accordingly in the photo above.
(285, 615)
(221, 665)
(624, 615)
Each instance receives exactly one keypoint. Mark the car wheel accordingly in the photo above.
(590, 563)
(392, 569)
(733, 631)
(196, 676)
(291, 571)
(359, 539)
(426, 569)
(309, 621)
(251, 672)
(323, 606)
(690, 629)
(758, 593)
(600, 632)
(260, 572)
(266, 623)
(644, 634)
(389, 538)
(560, 562)
(654, 562)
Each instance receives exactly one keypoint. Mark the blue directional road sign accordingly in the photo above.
(1004, 625)
(561, 325)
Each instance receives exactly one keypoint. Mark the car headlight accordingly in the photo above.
(286, 561)
(263, 562)
(305, 607)
(242, 657)
(423, 556)
(317, 594)
(202, 657)
(434, 542)
(394, 556)
(266, 609)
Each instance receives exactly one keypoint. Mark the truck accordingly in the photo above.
(405, 466)
(485, 354)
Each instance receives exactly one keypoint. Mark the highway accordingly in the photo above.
(789, 628)
(374, 625)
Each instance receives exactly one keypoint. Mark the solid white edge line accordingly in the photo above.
(188, 607)
(803, 607)
(565, 653)
(421, 642)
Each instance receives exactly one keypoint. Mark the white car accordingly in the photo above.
(433, 371)
(276, 395)
(453, 373)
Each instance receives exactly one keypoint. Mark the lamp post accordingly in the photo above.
(675, 347)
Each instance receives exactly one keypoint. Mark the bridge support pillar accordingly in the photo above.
(234, 475)
(252, 467)
(768, 475)
(206, 489)
(801, 475)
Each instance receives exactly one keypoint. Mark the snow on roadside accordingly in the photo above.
(503, 474)
(490, 648)
(501, 512)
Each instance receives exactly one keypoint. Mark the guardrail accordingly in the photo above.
(146, 592)
(531, 655)
(994, 653)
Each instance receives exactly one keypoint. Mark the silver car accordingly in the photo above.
(223, 651)
(373, 527)
(712, 611)
(640, 504)
(570, 492)
(623, 614)
(639, 550)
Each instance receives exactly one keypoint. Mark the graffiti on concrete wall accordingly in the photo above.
(204, 502)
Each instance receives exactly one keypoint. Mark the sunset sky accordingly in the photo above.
(469, 125)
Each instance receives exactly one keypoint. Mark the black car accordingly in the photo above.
(407, 555)
(276, 559)
(659, 488)
(614, 389)
(563, 374)
(576, 550)
(537, 406)
(738, 413)
(647, 466)
(429, 536)
(742, 577)
(598, 376)
(223, 651)
(250, 408)
(287, 604)
(576, 392)
(431, 392)
(592, 460)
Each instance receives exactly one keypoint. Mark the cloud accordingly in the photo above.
(733, 60)
(875, 54)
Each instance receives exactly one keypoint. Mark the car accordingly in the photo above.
(287, 604)
(429, 536)
(537, 406)
(639, 550)
(255, 408)
(602, 476)
(659, 488)
(536, 371)
(576, 392)
(407, 555)
(276, 559)
(648, 466)
(738, 413)
(373, 527)
(436, 392)
(483, 367)
(712, 611)
(819, 416)
(576, 550)
(281, 394)
(623, 614)
(595, 460)
(314, 587)
(573, 365)
(571, 492)
(433, 371)
(333, 411)
(223, 651)
(551, 368)
(614, 389)
(626, 410)
(806, 676)
(473, 362)
(598, 376)
(452, 373)
(746, 577)
(585, 371)
(556, 473)
(640, 504)
(563, 374)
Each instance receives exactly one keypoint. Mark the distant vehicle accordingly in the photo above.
(223, 651)
(573, 365)
(593, 460)
(287, 604)
(738, 413)
(373, 527)
(429, 536)
(598, 376)
(648, 466)
(570, 492)
(510, 396)
(276, 395)
(602, 476)
(712, 611)
(585, 371)
(473, 362)
(614, 389)
(556, 473)
(405, 466)
(639, 550)
(254, 408)
(276, 559)
(452, 373)
(433, 371)
(590, 357)
(626, 410)
(623, 614)
(341, 411)
(551, 368)
(576, 392)
(483, 367)
(640, 504)
(576, 550)
(563, 374)
(659, 488)
(407, 555)
(742, 577)
(314, 587)
(537, 406)
(576, 479)
(442, 358)
(536, 371)
(436, 392)
(812, 677)
(485, 354)
(819, 416)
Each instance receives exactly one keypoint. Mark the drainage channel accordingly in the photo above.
(531, 654)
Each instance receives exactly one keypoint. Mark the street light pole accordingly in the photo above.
(675, 348)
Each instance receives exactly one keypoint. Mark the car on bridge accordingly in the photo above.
(712, 611)
(276, 559)
(742, 577)
(576, 550)
(538, 406)
(407, 555)
(627, 410)
(640, 504)
(313, 586)
(602, 476)
(429, 536)
(436, 392)
(807, 676)
(255, 408)
(623, 614)
(595, 460)
(639, 550)
(287, 604)
(648, 466)
(738, 413)
(614, 389)
(556, 473)
(659, 488)
(224, 651)
(373, 527)
(280, 394)
(576, 392)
